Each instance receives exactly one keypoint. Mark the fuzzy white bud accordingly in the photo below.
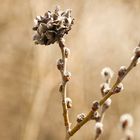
(67, 76)
(122, 71)
(99, 128)
(107, 73)
(126, 121)
(80, 117)
(96, 116)
(67, 52)
(137, 51)
(104, 88)
(106, 105)
(60, 64)
(119, 88)
(108, 102)
(95, 105)
(68, 102)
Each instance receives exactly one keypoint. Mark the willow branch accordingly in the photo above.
(64, 86)
(102, 101)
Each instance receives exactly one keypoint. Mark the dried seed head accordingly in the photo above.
(67, 76)
(68, 102)
(67, 52)
(104, 88)
(99, 128)
(51, 26)
(119, 88)
(96, 116)
(129, 135)
(60, 64)
(80, 117)
(95, 106)
(107, 73)
(126, 121)
(122, 71)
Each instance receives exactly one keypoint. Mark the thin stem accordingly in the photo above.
(79, 125)
(102, 101)
(96, 137)
(64, 87)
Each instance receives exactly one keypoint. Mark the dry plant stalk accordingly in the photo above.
(51, 28)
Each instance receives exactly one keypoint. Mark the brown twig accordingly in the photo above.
(63, 87)
(102, 101)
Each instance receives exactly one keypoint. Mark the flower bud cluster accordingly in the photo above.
(51, 26)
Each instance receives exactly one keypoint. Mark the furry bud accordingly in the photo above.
(80, 117)
(122, 71)
(96, 116)
(126, 121)
(107, 73)
(106, 105)
(137, 51)
(95, 106)
(99, 128)
(119, 88)
(67, 52)
(61, 88)
(69, 102)
(104, 88)
(67, 76)
(60, 64)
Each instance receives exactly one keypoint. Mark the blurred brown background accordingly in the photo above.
(104, 34)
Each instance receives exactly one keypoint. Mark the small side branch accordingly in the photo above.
(102, 101)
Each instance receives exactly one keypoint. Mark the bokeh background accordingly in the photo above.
(104, 34)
